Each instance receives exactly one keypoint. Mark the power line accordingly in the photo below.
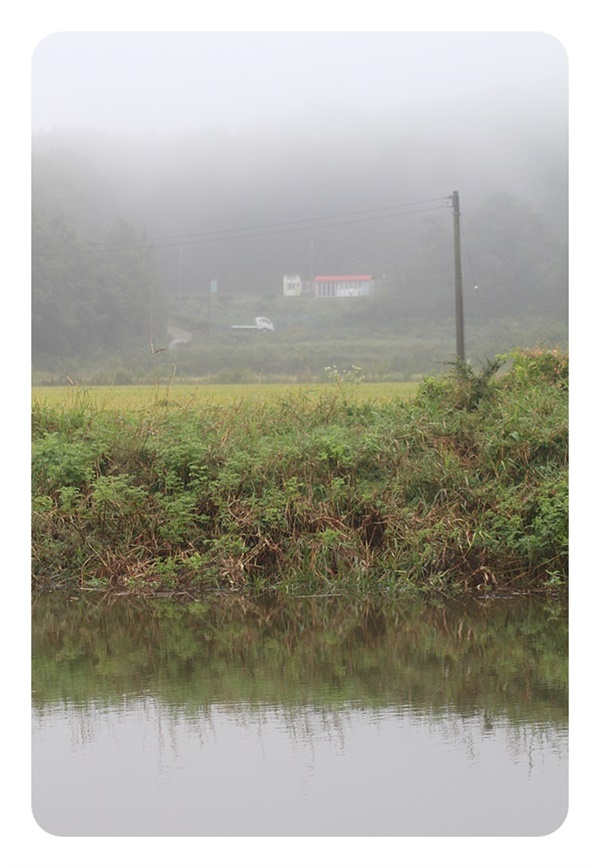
(279, 228)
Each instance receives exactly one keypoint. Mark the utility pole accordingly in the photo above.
(460, 333)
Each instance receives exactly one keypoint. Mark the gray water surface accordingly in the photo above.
(298, 718)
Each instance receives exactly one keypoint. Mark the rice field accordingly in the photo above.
(144, 396)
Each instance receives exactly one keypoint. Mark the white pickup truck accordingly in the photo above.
(261, 324)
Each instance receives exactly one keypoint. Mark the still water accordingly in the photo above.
(299, 718)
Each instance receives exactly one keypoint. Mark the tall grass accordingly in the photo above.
(461, 489)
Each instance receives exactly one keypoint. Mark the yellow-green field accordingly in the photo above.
(123, 397)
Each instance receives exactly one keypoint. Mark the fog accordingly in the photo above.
(171, 82)
(479, 112)
(242, 157)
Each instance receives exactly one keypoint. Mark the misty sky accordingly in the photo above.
(171, 82)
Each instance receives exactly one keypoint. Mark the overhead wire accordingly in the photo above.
(249, 232)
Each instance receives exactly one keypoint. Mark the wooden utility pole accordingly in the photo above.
(458, 290)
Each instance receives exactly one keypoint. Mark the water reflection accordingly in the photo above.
(298, 718)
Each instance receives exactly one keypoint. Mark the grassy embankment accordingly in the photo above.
(462, 488)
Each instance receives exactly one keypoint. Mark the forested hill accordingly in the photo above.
(92, 297)
(121, 225)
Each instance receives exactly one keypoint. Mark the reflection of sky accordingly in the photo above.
(141, 768)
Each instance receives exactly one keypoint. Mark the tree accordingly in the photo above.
(87, 299)
(521, 262)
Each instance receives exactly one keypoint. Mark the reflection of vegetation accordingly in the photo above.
(501, 658)
(462, 489)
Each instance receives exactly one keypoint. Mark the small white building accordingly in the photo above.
(342, 285)
(292, 284)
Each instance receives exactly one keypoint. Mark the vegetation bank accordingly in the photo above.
(459, 490)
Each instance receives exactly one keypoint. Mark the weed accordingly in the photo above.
(462, 488)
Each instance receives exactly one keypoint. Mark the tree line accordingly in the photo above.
(119, 227)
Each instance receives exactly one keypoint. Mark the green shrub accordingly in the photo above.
(462, 488)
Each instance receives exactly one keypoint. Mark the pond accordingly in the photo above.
(299, 717)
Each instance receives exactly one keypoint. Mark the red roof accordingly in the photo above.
(344, 277)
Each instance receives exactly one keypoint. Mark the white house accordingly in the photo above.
(292, 284)
(342, 285)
